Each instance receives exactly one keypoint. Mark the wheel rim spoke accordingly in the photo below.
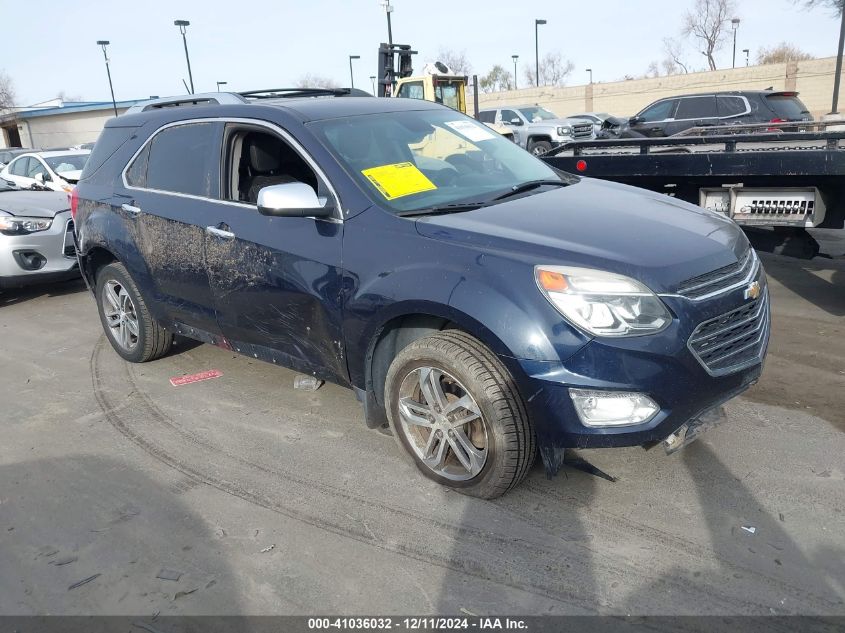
(414, 413)
(437, 460)
(432, 389)
(120, 316)
(112, 296)
(470, 457)
(470, 408)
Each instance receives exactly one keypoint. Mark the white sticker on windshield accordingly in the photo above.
(473, 131)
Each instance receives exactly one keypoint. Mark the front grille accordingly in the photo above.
(582, 130)
(721, 279)
(734, 340)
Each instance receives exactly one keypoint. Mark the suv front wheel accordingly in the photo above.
(454, 408)
(130, 328)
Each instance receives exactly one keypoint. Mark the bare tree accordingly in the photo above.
(554, 71)
(7, 92)
(707, 21)
(456, 61)
(674, 64)
(781, 53)
(64, 96)
(836, 5)
(316, 81)
(497, 80)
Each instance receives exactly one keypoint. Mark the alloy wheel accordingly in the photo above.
(443, 424)
(120, 314)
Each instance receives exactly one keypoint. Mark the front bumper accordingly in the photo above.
(55, 247)
(662, 366)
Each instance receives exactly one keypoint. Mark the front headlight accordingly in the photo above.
(564, 131)
(14, 225)
(602, 303)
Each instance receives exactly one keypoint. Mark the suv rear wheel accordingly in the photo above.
(132, 332)
(454, 408)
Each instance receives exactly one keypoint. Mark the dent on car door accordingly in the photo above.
(277, 281)
(172, 183)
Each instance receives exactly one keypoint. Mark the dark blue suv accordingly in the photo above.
(481, 304)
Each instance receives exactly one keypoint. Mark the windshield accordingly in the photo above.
(415, 160)
(537, 113)
(67, 162)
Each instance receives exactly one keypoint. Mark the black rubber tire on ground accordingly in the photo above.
(153, 340)
(539, 147)
(513, 447)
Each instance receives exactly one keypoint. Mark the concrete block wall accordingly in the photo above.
(813, 79)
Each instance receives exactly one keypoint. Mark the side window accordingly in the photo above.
(255, 159)
(19, 167)
(185, 159)
(488, 116)
(697, 108)
(509, 115)
(413, 90)
(659, 111)
(136, 175)
(731, 106)
(35, 167)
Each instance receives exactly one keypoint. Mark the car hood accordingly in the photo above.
(34, 204)
(562, 121)
(597, 224)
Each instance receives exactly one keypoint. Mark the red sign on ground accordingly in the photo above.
(178, 381)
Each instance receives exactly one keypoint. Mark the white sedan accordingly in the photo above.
(57, 170)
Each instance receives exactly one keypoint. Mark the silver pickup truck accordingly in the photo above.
(535, 128)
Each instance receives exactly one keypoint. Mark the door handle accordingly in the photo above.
(226, 235)
(131, 210)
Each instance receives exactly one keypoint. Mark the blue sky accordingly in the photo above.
(270, 44)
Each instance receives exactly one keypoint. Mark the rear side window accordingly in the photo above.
(110, 140)
(488, 116)
(136, 175)
(20, 166)
(731, 106)
(696, 108)
(787, 106)
(185, 159)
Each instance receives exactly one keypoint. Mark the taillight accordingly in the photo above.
(778, 120)
(73, 198)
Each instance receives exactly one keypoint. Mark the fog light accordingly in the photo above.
(612, 408)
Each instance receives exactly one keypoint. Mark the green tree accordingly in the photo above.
(497, 80)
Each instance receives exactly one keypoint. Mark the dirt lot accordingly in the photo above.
(266, 500)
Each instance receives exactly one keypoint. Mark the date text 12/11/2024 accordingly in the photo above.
(418, 624)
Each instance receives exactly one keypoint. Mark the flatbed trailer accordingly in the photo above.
(759, 178)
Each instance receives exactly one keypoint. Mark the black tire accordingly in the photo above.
(510, 442)
(539, 147)
(152, 340)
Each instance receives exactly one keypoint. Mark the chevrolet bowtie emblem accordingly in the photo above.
(753, 291)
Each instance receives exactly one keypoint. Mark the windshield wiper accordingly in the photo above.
(528, 186)
(442, 209)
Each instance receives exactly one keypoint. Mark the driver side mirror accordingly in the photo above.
(43, 177)
(634, 120)
(515, 121)
(292, 200)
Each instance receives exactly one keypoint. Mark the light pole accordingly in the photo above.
(836, 77)
(351, 76)
(103, 44)
(220, 83)
(514, 58)
(388, 10)
(537, 23)
(735, 26)
(590, 70)
(373, 80)
(182, 24)
(746, 51)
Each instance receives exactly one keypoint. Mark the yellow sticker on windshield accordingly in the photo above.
(399, 179)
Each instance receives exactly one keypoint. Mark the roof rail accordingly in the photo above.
(282, 93)
(206, 98)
